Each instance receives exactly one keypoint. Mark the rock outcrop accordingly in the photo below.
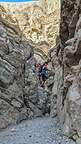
(38, 21)
(72, 80)
(25, 29)
(12, 107)
(66, 62)
(20, 95)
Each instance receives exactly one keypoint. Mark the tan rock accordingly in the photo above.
(38, 21)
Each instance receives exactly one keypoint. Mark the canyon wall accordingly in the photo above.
(27, 29)
(66, 62)
(20, 95)
(38, 21)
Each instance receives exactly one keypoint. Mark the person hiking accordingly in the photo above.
(44, 72)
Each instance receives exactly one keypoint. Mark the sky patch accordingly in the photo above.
(16, 0)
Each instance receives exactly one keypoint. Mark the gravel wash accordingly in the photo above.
(38, 131)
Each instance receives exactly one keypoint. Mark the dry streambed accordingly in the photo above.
(38, 131)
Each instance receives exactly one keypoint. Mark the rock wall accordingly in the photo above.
(72, 70)
(20, 95)
(66, 62)
(38, 21)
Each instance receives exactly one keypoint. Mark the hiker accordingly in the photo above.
(44, 72)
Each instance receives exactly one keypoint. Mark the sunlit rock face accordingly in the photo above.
(20, 95)
(38, 21)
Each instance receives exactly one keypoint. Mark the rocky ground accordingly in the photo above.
(38, 131)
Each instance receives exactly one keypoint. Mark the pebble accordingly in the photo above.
(38, 131)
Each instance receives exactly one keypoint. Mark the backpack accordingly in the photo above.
(44, 71)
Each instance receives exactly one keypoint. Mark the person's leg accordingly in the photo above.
(44, 78)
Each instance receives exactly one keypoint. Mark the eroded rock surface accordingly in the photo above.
(66, 62)
(39, 21)
(20, 95)
(72, 67)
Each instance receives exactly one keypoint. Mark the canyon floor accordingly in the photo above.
(38, 131)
